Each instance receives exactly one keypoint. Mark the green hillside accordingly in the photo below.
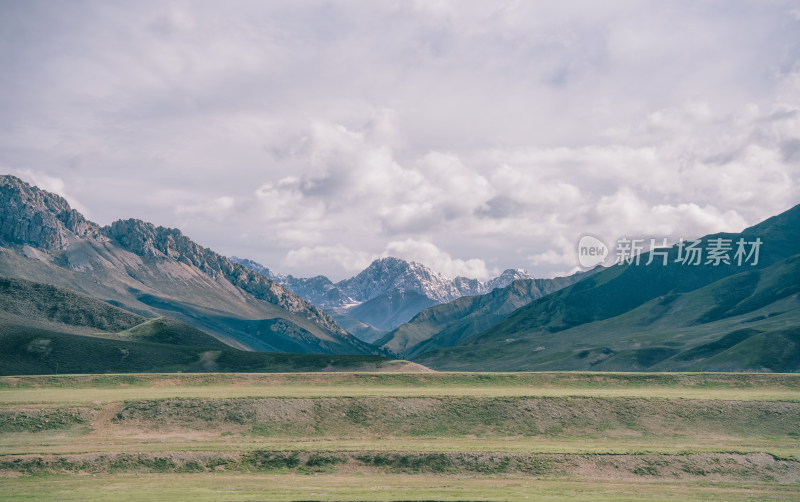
(28, 304)
(34, 351)
(170, 331)
(746, 322)
(449, 324)
(674, 317)
(622, 288)
(44, 304)
(46, 329)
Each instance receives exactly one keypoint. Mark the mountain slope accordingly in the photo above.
(319, 290)
(622, 288)
(449, 324)
(25, 351)
(359, 329)
(390, 309)
(37, 304)
(170, 331)
(636, 317)
(45, 329)
(668, 333)
(156, 271)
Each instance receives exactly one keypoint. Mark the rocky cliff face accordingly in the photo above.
(147, 240)
(38, 218)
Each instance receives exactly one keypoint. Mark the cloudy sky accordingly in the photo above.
(475, 136)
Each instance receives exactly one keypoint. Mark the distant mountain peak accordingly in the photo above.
(385, 275)
(390, 273)
(507, 277)
(389, 261)
(380, 283)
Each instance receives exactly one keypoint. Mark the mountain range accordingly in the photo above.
(153, 271)
(132, 296)
(388, 293)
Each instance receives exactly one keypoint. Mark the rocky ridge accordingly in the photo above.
(36, 218)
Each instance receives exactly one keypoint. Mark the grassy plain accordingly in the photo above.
(401, 436)
(288, 487)
(55, 389)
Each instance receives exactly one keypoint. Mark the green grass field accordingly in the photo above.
(400, 436)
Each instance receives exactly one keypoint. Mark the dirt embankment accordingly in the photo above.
(716, 467)
(238, 420)
(339, 417)
(459, 416)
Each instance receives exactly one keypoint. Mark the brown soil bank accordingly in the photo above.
(716, 467)
(460, 416)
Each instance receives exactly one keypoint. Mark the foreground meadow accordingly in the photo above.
(422, 436)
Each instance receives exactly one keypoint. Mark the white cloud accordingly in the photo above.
(292, 131)
(624, 214)
(552, 257)
(218, 208)
(428, 254)
(337, 261)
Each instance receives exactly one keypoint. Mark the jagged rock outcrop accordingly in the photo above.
(39, 218)
(148, 240)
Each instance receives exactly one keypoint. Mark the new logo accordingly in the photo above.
(591, 251)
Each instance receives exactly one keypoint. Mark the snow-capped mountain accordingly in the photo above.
(507, 277)
(389, 274)
(385, 278)
(382, 276)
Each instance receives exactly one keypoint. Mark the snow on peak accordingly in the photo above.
(384, 275)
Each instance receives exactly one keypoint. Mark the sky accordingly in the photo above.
(470, 136)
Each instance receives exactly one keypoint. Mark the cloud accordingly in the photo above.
(428, 254)
(355, 178)
(217, 208)
(624, 214)
(337, 261)
(552, 257)
(318, 135)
